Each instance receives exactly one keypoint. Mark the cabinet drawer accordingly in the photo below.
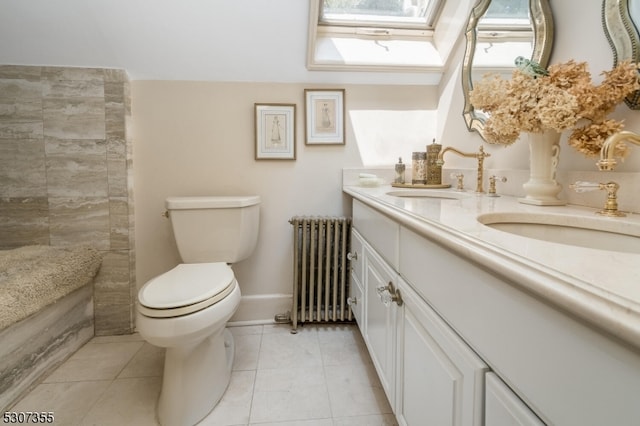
(382, 233)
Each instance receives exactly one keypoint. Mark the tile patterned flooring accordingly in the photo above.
(322, 376)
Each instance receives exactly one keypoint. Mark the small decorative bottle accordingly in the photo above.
(418, 176)
(400, 168)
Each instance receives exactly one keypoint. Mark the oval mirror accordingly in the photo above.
(620, 19)
(498, 31)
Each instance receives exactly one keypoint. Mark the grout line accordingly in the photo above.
(255, 375)
(98, 399)
(126, 364)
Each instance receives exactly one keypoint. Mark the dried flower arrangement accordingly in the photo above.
(565, 99)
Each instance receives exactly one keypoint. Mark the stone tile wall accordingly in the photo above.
(66, 173)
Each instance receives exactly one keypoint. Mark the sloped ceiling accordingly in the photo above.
(205, 40)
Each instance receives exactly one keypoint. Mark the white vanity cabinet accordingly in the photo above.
(440, 379)
(429, 374)
(373, 233)
(519, 324)
(561, 369)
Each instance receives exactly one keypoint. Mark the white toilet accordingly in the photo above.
(186, 309)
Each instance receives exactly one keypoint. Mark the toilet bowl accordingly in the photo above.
(199, 350)
(186, 309)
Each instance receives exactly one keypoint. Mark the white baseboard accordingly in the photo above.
(261, 309)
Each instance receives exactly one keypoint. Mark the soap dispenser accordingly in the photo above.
(400, 169)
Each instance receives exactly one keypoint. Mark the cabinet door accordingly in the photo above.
(380, 318)
(504, 408)
(440, 379)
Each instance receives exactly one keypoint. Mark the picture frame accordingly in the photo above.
(324, 116)
(275, 131)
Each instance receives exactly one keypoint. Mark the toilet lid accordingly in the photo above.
(186, 284)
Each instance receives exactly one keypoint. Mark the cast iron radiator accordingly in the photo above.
(320, 270)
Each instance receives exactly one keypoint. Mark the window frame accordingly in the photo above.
(431, 17)
(320, 35)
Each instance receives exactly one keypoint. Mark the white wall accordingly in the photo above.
(197, 40)
(197, 138)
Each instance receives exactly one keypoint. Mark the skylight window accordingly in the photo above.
(388, 14)
(384, 36)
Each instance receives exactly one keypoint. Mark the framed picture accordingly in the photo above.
(324, 117)
(275, 131)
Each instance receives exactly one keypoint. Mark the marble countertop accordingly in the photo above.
(602, 287)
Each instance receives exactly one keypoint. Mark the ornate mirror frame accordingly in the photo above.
(542, 21)
(623, 38)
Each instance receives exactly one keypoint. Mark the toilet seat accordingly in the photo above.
(185, 289)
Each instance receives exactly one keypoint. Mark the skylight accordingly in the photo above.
(374, 35)
(413, 37)
(388, 14)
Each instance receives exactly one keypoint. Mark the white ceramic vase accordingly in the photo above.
(542, 189)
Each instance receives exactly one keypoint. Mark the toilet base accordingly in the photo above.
(189, 392)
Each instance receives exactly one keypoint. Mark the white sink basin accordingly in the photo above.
(428, 193)
(598, 233)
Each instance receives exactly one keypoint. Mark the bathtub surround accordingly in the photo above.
(46, 312)
(28, 352)
(34, 277)
(66, 173)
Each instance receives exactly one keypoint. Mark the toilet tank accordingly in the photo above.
(214, 228)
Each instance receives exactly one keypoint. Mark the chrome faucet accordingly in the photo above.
(480, 155)
(607, 161)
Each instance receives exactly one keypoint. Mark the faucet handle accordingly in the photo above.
(611, 205)
(581, 186)
(492, 185)
(460, 180)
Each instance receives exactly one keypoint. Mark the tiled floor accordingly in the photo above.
(321, 376)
